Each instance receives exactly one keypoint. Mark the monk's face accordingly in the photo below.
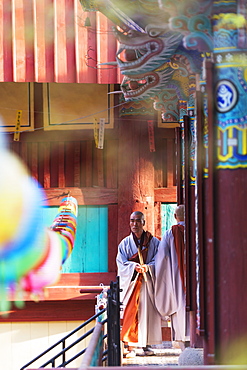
(136, 224)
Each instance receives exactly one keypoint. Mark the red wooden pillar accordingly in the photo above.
(209, 227)
(230, 178)
(199, 217)
(179, 175)
(136, 174)
(190, 236)
(189, 197)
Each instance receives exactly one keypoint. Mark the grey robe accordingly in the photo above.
(149, 326)
(169, 293)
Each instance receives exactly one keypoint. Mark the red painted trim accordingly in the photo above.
(47, 73)
(51, 311)
(29, 47)
(63, 301)
(6, 69)
(47, 41)
(106, 49)
(84, 196)
(112, 237)
(165, 195)
(85, 46)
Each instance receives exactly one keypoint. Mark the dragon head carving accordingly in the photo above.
(144, 86)
(142, 52)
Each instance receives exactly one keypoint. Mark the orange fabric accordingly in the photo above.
(178, 234)
(129, 332)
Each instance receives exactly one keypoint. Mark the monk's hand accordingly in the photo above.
(145, 268)
(139, 268)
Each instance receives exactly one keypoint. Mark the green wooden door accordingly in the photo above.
(167, 216)
(90, 253)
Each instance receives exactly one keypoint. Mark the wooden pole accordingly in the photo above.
(141, 262)
(87, 358)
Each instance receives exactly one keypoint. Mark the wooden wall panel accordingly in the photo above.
(158, 165)
(146, 178)
(23, 152)
(170, 155)
(98, 167)
(89, 163)
(165, 189)
(111, 163)
(165, 160)
(34, 161)
(157, 220)
(69, 163)
(46, 160)
(54, 165)
(165, 163)
(74, 165)
(61, 165)
(76, 162)
(83, 156)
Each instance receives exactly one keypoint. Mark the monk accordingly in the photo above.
(135, 261)
(170, 289)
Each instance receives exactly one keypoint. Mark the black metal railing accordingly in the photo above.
(112, 354)
(113, 325)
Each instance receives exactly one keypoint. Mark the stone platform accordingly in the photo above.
(164, 355)
(167, 354)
